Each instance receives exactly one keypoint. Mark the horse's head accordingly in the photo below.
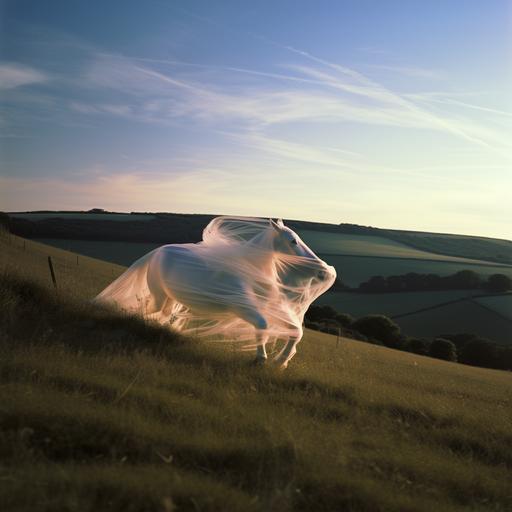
(288, 243)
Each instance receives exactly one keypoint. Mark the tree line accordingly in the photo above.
(415, 282)
(464, 348)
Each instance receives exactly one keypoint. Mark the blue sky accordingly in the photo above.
(386, 113)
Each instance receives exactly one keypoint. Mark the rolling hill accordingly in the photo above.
(357, 253)
(103, 412)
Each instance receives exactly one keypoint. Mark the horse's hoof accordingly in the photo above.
(280, 364)
(259, 361)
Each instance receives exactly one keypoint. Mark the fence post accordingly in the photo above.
(50, 264)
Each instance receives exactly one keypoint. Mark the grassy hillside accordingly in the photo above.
(492, 249)
(101, 412)
(370, 245)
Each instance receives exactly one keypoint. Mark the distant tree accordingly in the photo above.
(4, 222)
(339, 286)
(379, 327)
(317, 313)
(503, 357)
(443, 349)
(499, 283)
(478, 352)
(344, 319)
(374, 284)
(465, 280)
(419, 346)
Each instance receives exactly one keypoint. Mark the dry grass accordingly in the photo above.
(103, 412)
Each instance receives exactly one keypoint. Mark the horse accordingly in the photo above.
(249, 279)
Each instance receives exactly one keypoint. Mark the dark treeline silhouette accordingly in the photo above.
(162, 228)
(179, 228)
(380, 330)
(414, 282)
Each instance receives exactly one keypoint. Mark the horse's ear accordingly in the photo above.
(280, 223)
(276, 225)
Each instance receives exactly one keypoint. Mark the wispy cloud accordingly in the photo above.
(14, 75)
(411, 71)
(324, 91)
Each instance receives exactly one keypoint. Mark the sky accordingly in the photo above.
(394, 114)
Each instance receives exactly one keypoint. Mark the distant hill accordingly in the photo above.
(161, 227)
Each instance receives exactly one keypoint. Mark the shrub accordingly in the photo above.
(379, 327)
(319, 313)
(344, 319)
(478, 352)
(419, 346)
(443, 349)
(499, 283)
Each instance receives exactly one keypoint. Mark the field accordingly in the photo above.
(500, 304)
(101, 412)
(446, 319)
(367, 245)
(122, 253)
(356, 269)
(389, 304)
(359, 258)
(493, 249)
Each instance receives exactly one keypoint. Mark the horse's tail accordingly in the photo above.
(129, 292)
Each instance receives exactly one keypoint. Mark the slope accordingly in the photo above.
(104, 412)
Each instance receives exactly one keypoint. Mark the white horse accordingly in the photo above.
(249, 279)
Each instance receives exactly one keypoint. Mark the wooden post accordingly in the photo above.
(77, 260)
(50, 264)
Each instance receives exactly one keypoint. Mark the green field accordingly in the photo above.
(122, 253)
(502, 304)
(355, 269)
(100, 412)
(363, 245)
(389, 304)
(476, 247)
(352, 269)
(466, 316)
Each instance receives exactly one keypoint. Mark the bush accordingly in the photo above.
(478, 352)
(344, 319)
(417, 346)
(499, 283)
(319, 313)
(443, 349)
(379, 327)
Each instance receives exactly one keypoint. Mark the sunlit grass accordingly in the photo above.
(104, 412)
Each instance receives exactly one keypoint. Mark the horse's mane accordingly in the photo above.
(234, 230)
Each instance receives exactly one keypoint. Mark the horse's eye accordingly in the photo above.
(293, 241)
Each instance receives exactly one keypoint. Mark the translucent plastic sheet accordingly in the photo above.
(248, 276)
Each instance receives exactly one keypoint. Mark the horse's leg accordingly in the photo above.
(253, 317)
(261, 351)
(158, 298)
(165, 311)
(289, 350)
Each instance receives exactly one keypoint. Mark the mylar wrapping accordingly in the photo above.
(246, 275)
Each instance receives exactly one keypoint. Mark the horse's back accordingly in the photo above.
(199, 280)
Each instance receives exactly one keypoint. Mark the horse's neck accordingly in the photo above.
(260, 253)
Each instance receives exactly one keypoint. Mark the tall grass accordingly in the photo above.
(104, 412)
